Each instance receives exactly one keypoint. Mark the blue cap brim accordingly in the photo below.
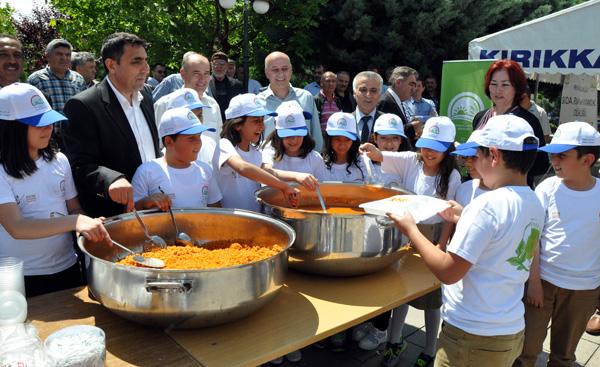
(261, 112)
(196, 129)
(193, 106)
(556, 148)
(45, 119)
(390, 132)
(343, 133)
(468, 152)
(468, 145)
(439, 146)
(298, 131)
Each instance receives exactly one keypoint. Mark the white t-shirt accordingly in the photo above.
(409, 168)
(497, 234)
(238, 191)
(341, 172)
(191, 187)
(38, 195)
(209, 152)
(570, 248)
(312, 163)
(467, 191)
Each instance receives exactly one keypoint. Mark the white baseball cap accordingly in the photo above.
(505, 132)
(468, 152)
(342, 124)
(25, 103)
(185, 97)
(571, 135)
(291, 120)
(438, 134)
(180, 120)
(246, 104)
(389, 124)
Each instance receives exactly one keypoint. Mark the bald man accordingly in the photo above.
(278, 70)
(195, 73)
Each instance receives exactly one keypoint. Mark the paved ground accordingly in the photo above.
(588, 350)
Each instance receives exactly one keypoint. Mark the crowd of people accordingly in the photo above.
(75, 150)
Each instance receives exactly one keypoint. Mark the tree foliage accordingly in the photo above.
(6, 24)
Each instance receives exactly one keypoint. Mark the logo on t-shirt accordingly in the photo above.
(526, 247)
(205, 192)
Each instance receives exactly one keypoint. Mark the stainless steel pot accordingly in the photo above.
(186, 298)
(335, 244)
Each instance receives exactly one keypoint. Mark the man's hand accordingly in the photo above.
(535, 293)
(121, 192)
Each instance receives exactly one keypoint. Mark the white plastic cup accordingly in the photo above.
(11, 275)
(13, 308)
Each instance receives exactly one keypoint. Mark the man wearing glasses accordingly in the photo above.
(222, 87)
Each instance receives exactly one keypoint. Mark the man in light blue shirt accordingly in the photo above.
(421, 108)
(315, 87)
(278, 70)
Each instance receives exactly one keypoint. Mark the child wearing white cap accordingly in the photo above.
(564, 285)
(177, 179)
(469, 190)
(388, 136)
(341, 154)
(487, 261)
(38, 199)
(431, 172)
(290, 149)
(240, 159)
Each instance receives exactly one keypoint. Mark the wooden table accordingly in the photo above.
(308, 309)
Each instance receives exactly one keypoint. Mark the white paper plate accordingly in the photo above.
(421, 207)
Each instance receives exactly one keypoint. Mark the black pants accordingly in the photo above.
(36, 285)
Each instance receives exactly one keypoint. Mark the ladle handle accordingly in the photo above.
(123, 247)
(172, 216)
(320, 196)
(137, 216)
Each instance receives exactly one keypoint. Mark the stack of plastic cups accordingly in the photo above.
(13, 306)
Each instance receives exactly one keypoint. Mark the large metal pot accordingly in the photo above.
(335, 244)
(185, 298)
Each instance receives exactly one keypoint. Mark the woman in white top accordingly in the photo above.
(240, 159)
(341, 156)
(38, 200)
(431, 172)
(289, 151)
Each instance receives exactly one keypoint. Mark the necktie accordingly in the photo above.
(364, 133)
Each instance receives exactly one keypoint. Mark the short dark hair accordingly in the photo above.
(172, 136)
(158, 64)
(80, 58)
(14, 150)
(520, 161)
(307, 146)
(594, 150)
(113, 46)
(56, 43)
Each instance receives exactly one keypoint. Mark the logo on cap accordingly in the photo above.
(188, 97)
(393, 122)
(191, 116)
(434, 130)
(290, 119)
(341, 123)
(37, 102)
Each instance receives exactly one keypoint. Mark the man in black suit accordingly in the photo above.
(111, 129)
(367, 91)
(403, 82)
(221, 87)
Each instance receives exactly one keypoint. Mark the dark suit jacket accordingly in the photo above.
(233, 87)
(377, 114)
(101, 146)
(388, 105)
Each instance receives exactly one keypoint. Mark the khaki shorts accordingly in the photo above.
(459, 348)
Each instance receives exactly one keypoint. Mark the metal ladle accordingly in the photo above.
(320, 196)
(180, 237)
(154, 239)
(149, 262)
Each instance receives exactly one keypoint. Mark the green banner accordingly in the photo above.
(462, 94)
